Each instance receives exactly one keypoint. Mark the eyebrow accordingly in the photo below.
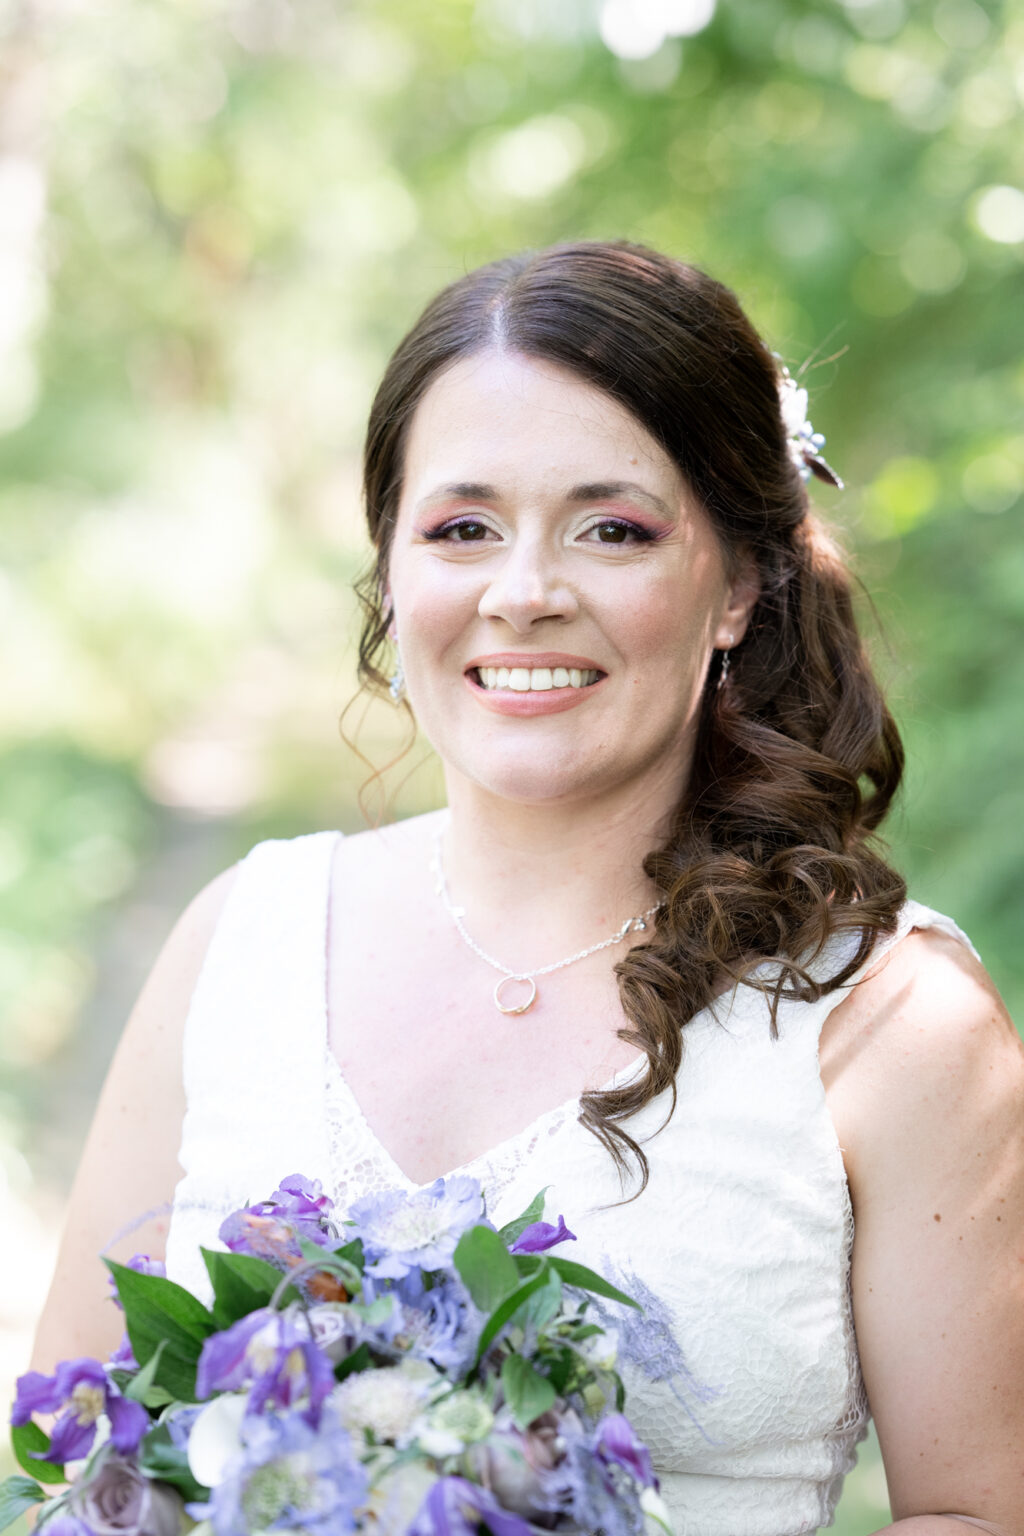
(598, 490)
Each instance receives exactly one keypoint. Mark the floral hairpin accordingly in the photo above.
(804, 443)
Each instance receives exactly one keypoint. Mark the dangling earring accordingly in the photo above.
(724, 669)
(396, 682)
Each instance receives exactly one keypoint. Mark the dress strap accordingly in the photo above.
(255, 1039)
(912, 915)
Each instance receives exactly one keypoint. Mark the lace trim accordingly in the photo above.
(357, 1160)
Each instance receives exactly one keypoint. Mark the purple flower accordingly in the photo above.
(64, 1524)
(81, 1389)
(117, 1499)
(303, 1202)
(271, 1229)
(403, 1231)
(455, 1507)
(617, 1444)
(123, 1358)
(143, 1265)
(271, 1353)
(288, 1476)
(541, 1235)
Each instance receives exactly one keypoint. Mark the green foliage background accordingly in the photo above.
(217, 216)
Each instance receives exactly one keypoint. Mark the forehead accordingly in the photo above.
(501, 417)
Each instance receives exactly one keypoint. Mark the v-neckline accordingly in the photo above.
(490, 1154)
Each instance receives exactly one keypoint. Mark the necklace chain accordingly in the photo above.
(631, 925)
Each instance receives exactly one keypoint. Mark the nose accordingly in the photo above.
(526, 585)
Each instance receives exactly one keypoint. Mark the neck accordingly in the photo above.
(539, 878)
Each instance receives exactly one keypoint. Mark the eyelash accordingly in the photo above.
(637, 534)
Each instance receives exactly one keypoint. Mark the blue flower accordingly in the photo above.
(440, 1324)
(82, 1390)
(401, 1232)
(288, 1476)
(271, 1353)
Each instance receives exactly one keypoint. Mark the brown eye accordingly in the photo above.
(612, 533)
(468, 533)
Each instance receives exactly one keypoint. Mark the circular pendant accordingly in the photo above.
(523, 1007)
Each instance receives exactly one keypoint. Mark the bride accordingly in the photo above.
(649, 955)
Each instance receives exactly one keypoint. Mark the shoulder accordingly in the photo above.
(927, 1090)
(921, 1054)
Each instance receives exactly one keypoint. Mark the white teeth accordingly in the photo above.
(536, 679)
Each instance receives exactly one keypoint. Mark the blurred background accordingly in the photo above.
(216, 219)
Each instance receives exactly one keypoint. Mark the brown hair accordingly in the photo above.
(797, 759)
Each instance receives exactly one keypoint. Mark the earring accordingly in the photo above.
(724, 669)
(396, 682)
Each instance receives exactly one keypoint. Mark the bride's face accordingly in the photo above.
(557, 592)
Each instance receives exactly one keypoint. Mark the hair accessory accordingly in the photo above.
(631, 925)
(804, 443)
(396, 683)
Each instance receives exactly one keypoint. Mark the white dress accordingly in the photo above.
(742, 1376)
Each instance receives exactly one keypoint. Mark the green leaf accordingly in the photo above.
(486, 1266)
(17, 1494)
(142, 1383)
(534, 1212)
(542, 1306)
(160, 1457)
(241, 1284)
(352, 1253)
(26, 1438)
(527, 1392)
(507, 1310)
(378, 1311)
(587, 1280)
(158, 1311)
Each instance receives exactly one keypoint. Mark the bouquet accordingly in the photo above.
(411, 1371)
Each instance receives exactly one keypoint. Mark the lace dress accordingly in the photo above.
(742, 1374)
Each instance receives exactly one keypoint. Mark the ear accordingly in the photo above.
(743, 592)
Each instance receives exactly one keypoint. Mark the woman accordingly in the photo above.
(600, 585)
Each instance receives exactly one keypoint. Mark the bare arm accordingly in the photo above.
(130, 1164)
(934, 1100)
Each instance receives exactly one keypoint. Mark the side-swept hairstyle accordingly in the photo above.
(770, 853)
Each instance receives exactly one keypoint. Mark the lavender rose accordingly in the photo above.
(119, 1500)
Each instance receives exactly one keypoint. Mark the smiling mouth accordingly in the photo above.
(534, 679)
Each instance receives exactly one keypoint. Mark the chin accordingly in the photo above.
(534, 780)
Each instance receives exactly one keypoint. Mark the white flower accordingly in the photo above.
(456, 1421)
(602, 1349)
(216, 1438)
(656, 1511)
(385, 1403)
(793, 401)
(396, 1497)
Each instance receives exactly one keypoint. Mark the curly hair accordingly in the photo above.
(771, 852)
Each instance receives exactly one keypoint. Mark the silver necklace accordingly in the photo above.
(631, 925)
